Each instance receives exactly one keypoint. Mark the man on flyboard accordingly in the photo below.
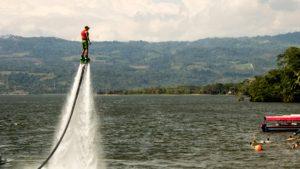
(85, 45)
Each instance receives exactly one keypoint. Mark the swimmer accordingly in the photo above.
(296, 145)
(253, 143)
(268, 141)
(293, 138)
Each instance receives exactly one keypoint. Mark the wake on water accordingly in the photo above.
(78, 149)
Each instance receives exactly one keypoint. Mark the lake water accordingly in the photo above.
(153, 132)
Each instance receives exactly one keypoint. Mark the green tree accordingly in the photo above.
(289, 63)
(281, 84)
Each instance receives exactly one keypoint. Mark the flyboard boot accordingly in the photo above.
(82, 60)
(87, 59)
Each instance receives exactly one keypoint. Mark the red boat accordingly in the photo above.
(281, 123)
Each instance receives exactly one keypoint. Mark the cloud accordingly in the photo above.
(282, 5)
(151, 20)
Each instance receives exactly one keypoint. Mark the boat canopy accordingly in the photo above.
(283, 118)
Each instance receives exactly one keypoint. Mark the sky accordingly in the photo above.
(148, 20)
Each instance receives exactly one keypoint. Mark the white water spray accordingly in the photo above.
(78, 149)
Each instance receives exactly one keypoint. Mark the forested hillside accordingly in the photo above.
(281, 84)
(47, 64)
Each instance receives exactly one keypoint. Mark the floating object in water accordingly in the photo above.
(282, 123)
(258, 147)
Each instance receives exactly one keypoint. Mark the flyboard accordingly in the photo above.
(85, 62)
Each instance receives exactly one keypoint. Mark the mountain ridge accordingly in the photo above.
(48, 64)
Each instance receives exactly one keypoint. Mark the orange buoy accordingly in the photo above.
(258, 148)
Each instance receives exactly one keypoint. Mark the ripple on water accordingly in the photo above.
(154, 132)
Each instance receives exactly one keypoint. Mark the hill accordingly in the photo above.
(47, 64)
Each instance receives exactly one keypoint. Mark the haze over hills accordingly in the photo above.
(47, 64)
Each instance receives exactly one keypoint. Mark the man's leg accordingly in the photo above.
(87, 59)
(82, 60)
(87, 52)
(82, 52)
(84, 48)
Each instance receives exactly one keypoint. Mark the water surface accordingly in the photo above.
(153, 132)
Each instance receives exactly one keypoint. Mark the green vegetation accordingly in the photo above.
(212, 89)
(48, 65)
(277, 85)
(282, 84)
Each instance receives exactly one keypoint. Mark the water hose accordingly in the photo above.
(68, 123)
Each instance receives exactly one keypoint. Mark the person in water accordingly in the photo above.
(253, 143)
(296, 145)
(268, 141)
(85, 43)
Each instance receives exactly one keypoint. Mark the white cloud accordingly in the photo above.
(282, 5)
(151, 20)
